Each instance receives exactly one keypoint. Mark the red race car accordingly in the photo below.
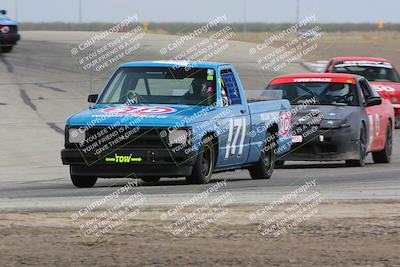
(380, 72)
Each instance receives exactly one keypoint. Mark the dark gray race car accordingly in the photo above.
(336, 117)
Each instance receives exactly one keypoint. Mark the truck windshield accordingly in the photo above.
(371, 73)
(133, 85)
(341, 94)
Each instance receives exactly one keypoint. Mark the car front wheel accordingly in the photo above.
(362, 150)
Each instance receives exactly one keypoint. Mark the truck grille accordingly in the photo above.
(13, 28)
(123, 137)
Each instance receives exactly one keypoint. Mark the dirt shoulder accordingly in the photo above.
(366, 234)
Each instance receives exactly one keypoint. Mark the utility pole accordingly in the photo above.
(245, 16)
(16, 10)
(80, 11)
(297, 11)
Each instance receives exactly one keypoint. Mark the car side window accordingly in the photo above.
(229, 88)
(366, 91)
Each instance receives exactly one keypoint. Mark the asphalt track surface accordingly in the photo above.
(41, 85)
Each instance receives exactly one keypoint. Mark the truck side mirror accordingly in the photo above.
(93, 98)
(374, 101)
(3, 12)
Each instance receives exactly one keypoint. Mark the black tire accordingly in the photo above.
(397, 123)
(264, 167)
(150, 179)
(83, 181)
(362, 150)
(7, 49)
(279, 164)
(204, 165)
(385, 155)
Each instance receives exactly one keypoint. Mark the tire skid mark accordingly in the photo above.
(26, 99)
(9, 66)
(29, 103)
(54, 126)
(49, 87)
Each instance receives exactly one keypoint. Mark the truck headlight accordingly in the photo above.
(76, 136)
(178, 137)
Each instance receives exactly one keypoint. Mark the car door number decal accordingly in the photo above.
(384, 88)
(374, 121)
(377, 125)
(240, 124)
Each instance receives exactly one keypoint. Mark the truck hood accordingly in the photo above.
(139, 115)
(5, 21)
(314, 114)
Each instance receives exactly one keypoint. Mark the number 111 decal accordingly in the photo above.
(233, 136)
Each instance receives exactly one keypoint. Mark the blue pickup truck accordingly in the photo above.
(8, 33)
(174, 119)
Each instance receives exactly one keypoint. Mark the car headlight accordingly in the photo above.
(76, 136)
(333, 124)
(178, 137)
(394, 100)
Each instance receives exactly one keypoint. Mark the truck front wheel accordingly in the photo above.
(150, 179)
(264, 167)
(83, 181)
(204, 165)
(6, 49)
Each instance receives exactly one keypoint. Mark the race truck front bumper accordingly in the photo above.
(8, 39)
(325, 145)
(143, 163)
(144, 153)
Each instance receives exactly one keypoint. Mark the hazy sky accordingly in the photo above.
(202, 10)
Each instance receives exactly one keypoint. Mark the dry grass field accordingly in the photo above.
(377, 44)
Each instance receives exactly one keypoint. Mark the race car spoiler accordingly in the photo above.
(314, 80)
(364, 63)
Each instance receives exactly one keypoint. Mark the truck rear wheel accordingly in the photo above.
(6, 49)
(264, 167)
(385, 155)
(204, 165)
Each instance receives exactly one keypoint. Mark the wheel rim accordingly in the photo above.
(389, 141)
(363, 147)
(206, 162)
(268, 159)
